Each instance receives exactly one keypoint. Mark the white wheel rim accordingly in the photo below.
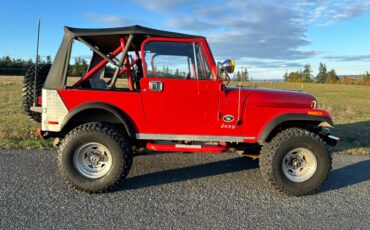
(299, 164)
(93, 160)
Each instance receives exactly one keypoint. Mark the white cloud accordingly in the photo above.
(270, 33)
(268, 64)
(251, 29)
(163, 5)
(348, 58)
(352, 10)
(190, 22)
(263, 29)
(110, 20)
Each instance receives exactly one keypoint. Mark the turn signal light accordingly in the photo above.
(314, 113)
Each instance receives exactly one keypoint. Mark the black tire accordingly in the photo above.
(275, 152)
(94, 132)
(29, 88)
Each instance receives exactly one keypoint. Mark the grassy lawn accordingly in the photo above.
(16, 130)
(349, 106)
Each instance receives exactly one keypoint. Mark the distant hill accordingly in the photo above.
(352, 76)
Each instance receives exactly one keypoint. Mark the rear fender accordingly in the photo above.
(121, 116)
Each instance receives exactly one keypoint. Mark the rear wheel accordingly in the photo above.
(295, 162)
(28, 90)
(94, 157)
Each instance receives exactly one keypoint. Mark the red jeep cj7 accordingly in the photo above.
(163, 90)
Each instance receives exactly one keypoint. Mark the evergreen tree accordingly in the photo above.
(76, 68)
(307, 73)
(48, 59)
(238, 76)
(286, 76)
(177, 73)
(244, 75)
(322, 75)
(366, 78)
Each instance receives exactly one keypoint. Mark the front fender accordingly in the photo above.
(275, 122)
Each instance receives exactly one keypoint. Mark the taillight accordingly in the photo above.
(39, 100)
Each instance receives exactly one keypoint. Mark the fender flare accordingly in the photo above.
(289, 117)
(119, 114)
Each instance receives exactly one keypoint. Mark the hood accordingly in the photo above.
(261, 97)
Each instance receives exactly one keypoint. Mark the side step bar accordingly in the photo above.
(186, 148)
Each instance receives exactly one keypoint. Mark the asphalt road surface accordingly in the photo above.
(180, 191)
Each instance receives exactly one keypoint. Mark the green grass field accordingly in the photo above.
(349, 106)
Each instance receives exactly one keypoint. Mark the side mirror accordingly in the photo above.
(228, 65)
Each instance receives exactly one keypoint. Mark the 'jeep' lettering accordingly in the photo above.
(225, 126)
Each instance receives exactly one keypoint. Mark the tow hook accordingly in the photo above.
(41, 134)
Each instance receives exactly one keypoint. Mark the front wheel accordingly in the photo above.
(295, 162)
(94, 157)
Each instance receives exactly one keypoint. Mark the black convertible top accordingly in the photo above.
(105, 40)
(135, 30)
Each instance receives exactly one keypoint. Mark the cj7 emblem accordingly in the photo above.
(228, 118)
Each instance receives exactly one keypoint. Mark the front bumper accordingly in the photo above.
(331, 140)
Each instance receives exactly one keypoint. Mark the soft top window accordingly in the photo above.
(176, 60)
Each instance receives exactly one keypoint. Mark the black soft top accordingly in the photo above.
(135, 30)
(106, 40)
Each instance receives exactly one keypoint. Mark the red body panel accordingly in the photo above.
(176, 115)
(181, 103)
(196, 107)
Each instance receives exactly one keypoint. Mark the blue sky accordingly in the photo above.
(267, 37)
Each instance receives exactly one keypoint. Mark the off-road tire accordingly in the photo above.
(29, 88)
(273, 153)
(118, 146)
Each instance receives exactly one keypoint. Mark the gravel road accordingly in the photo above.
(180, 191)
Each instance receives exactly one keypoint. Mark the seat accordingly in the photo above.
(139, 74)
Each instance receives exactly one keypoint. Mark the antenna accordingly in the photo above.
(238, 121)
(36, 63)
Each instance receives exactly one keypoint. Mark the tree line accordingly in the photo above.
(325, 76)
(12, 66)
(241, 75)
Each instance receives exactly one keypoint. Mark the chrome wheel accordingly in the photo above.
(93, 160)
(299, 164)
